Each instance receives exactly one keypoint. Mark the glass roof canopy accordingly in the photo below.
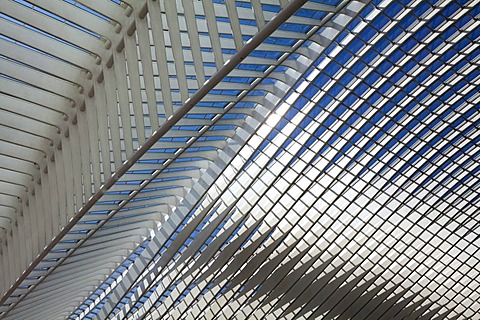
(332, 174)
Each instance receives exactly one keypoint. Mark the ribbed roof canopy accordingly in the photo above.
(252, 159)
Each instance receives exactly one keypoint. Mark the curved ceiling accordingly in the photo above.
(259, 159)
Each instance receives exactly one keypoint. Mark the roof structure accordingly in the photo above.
(239, 159)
